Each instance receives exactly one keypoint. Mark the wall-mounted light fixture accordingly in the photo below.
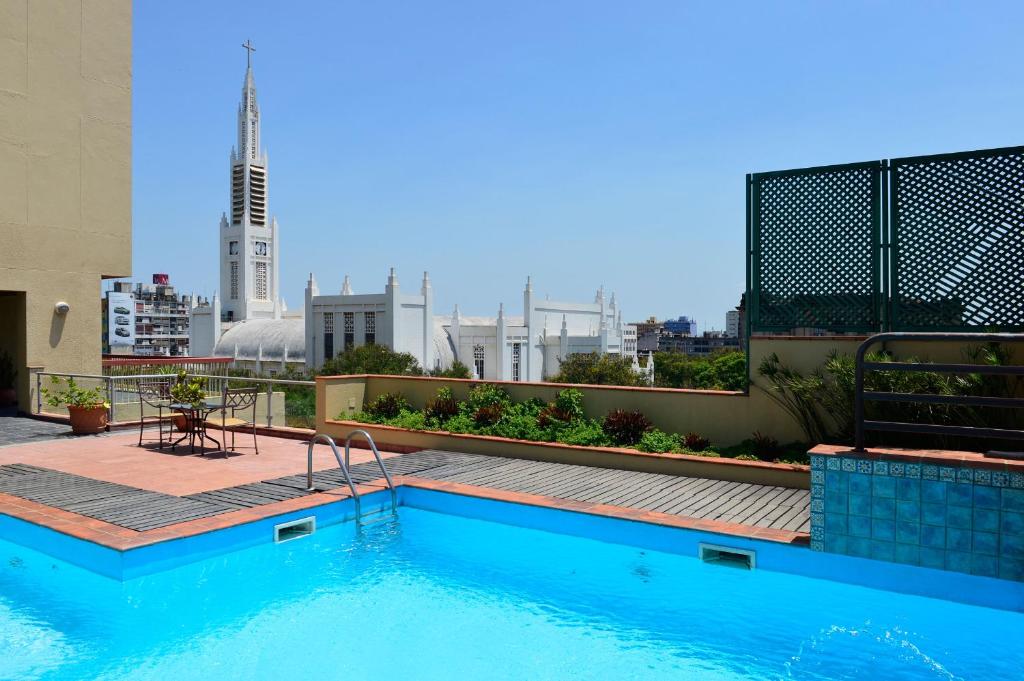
(61, 308)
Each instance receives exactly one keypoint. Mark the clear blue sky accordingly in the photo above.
(580, 142)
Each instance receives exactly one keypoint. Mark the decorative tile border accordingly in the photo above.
(965, 514)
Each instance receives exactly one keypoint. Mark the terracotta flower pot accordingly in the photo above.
(181, 423)
(88, 420)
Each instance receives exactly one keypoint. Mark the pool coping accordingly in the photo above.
(122, 539)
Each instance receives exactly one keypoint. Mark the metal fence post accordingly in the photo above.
(39, 393)
(270, 397)
(110, 396)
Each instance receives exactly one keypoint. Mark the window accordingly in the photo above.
(234, 281)
(517, 356)
(350, 330)
(371, 328)
(478, 360)
(328, 335)
(261, 281)
(233, 248)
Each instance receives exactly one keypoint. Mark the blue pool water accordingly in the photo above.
(435, 596)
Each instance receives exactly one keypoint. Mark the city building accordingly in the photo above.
(732, 323)
(146, 319)
(527, 348)
(65, 179)
(681, 325)
(702, 345)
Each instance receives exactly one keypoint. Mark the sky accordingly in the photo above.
(583, 143)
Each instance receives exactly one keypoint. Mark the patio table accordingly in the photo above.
(195, 424)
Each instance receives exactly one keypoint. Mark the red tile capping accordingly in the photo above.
(940, 457)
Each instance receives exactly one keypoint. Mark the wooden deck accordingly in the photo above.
(141, 510)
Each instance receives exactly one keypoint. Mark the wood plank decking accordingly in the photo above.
(136, 509)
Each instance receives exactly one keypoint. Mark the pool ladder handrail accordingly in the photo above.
(343, 464)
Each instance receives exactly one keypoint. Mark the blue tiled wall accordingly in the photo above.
(948, 517)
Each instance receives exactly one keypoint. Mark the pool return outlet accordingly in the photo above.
(307, 526)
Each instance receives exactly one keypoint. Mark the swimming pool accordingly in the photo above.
(442, 596)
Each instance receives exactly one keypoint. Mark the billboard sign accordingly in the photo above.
(120, 318)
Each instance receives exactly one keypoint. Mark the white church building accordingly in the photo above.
(501, 348)
(250, 323)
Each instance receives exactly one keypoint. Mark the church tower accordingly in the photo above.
(248, 244)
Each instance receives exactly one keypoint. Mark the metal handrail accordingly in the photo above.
(860, 395)
(380, 462)
(341, 463)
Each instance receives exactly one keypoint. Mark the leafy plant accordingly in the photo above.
(746, 457)
(695, 442)
(659, 442)
(413, 420)
(567, 406)
(625, 428)
(488, 414)
(764, 446)
(188, 391)
(486, 395)
(442, 407)
(584, 432)
(388, 405)
(7, 371)
(73, 395)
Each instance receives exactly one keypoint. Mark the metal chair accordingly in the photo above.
(234, 402)
(156, 394)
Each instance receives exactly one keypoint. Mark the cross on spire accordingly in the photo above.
(249, 50)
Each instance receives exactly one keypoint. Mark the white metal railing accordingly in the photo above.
(123, 390)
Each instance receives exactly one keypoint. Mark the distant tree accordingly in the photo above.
(595, 369)
(456, 370)
(723, 370)
(372, 359)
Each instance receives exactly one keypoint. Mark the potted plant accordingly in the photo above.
(187, 391)
(86, 407)
(8, 395)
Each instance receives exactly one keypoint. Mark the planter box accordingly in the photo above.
(716, 468)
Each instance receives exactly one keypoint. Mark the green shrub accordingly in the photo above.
(388, 405)
(659, 442)
(584, 432)
(723, 370)
(518, 422)
(746, 457)
(460, 423)
(413, 420)
(625, 428)
(486, 395)
(569, 403)
(443, 407)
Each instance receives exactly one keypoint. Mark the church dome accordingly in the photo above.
(275, 337)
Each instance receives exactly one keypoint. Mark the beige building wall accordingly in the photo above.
(65, 176)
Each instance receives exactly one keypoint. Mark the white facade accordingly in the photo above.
(504, 348)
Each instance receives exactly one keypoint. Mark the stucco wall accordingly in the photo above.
(65, 173)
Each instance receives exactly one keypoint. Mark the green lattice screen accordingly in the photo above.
(958, 241)
(815, 248)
